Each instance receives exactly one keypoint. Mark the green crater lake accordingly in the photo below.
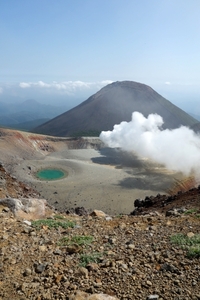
(50, 174)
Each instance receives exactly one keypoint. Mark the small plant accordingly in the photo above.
(190, 211)
(63, 241)
(194, 251)
(120, 216)
(52, 223)
(77, 239)
(82, 239)
(191, 244)
(85, 259)
(59, 217)
(178, 239)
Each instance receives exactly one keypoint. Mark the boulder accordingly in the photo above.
(85, 296)
(27, 208)
(98, 213)
(81, 211)
(139, 203)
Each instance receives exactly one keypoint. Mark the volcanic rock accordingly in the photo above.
(29, 209)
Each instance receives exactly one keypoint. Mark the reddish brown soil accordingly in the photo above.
(10, 187)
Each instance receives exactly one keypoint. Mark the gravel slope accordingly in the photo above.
(135, 258)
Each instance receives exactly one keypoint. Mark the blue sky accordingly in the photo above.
(63, 50)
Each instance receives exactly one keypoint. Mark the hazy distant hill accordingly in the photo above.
(28, 114)
(27, 126)
(112, 105)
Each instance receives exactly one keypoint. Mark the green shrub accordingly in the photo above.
(51, 223)
(85, 259)
(77, 239)
(194, 251)
(191, 244)
(190, 211)
(59, 217)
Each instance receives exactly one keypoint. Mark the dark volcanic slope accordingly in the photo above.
(112, 105)
(196, 127)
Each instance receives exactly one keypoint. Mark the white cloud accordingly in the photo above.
(24, 85)
(68, 87)
(105, 82)
(42, 84)
(168, 83)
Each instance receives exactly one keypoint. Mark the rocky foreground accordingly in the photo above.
(96, 256)
(127, 257)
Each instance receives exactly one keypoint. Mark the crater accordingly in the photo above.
(50, 174)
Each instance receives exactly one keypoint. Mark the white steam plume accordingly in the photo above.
(177, 149)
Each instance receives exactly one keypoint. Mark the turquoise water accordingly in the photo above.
(50, 174)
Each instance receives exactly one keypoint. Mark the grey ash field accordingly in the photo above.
(97, 177)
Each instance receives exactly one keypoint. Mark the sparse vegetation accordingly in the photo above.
(59, 217)
(77, 239)
(85, 259)
(51, 223)
(119, 216)
(193, 211)
(191, 244)
(190, 211)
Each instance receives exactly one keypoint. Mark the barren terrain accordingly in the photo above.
(116, 256)
(97, 177)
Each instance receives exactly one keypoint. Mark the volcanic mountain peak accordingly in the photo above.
(111, 105)
(127, 84)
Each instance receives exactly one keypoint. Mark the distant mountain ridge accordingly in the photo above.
(111, 105)
(27, 114)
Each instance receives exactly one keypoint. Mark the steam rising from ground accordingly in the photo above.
(177, 149)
